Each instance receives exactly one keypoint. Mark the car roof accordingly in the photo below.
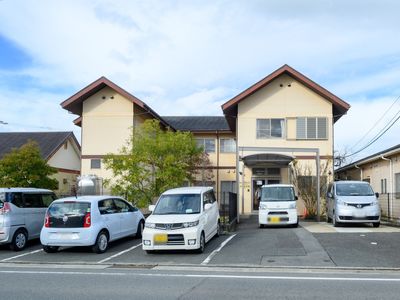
(18, 189)
(278, 185)
(351, 182)
(189, 190)
(90, 198)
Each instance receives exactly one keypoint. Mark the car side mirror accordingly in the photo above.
(329, 194)
(296, 198)
(207, 206)
(377, 195)
(151, 208)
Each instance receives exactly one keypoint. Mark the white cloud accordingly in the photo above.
(188, 57)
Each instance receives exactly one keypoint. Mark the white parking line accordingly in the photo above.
(118, 254)
(210, 257)
(17, 256)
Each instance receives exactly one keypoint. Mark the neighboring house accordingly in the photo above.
(283, 117)
(382, 171)
(61, 150)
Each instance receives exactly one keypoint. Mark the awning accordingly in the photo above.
(267, 160)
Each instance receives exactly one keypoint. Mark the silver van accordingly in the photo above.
(352, 202)
(22, 212)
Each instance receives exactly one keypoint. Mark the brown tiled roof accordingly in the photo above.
(49, 142)
(340, 107)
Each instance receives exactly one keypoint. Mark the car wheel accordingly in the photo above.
(19, 240)
(202, 242)
(50, 249)
(219, 229)
(334, 222)
(139, 231)
(101, 243)
(377, 224)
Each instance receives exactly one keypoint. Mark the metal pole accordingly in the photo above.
(318, 186)
(243, 189)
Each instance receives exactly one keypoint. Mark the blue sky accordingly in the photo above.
(189, 57)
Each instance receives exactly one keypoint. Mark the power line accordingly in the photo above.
(376, 123)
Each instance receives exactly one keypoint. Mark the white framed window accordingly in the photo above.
(227, 145)
(313, 128)
(207, 144)
(270, 128)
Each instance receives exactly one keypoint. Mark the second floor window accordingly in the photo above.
(228, 146)
(312, 128)
(207, 144)
(95, 163)
(270, 128)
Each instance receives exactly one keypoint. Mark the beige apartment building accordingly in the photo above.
(282, 118)
(382, 171)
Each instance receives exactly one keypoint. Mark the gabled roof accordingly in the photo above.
(199, 124)
(74, 103)
(49, 142)
(387, 152)
(340, 107)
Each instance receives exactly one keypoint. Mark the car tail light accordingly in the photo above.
(87, 220)
(47, 221)
(5, 209)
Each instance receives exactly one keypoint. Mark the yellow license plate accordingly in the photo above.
(160, 239)
(274, 219)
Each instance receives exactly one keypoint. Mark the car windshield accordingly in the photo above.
(178, 204)
(354, 189)
(277, 194)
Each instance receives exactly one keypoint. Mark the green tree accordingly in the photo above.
(24, 167)
(153, 161)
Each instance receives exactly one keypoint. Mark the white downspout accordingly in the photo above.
(391, 183)
(361, 172)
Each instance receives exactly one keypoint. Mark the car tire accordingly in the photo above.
(376, 225)
(334, 221)
(101, 244)
(139, 231)
(19, 240)
(202, 243)
(50, 249)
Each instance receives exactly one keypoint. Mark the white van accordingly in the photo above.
(352, 202)
(278, 205)
(183, 218)
(22, 211)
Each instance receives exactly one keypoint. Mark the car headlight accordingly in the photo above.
(263, 206)
(292, 205)
(341, 202)
(374, 203)
(150, 225)
(191, 224)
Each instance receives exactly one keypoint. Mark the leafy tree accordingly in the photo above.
(24, 167)
(304, 180)
(153, 161)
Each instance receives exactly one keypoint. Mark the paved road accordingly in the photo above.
(189, 283)
(311, 245)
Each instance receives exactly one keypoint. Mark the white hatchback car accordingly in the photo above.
(89, 221)
(183, 218)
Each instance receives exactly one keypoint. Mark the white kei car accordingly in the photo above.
(183, 218)
(89, 221)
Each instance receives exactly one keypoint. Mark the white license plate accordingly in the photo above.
(64, 236)
(359, 214)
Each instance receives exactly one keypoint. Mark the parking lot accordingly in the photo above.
(310, 245)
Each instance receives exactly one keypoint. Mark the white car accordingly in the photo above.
(89, 221)
(183, 218)
(278, 205)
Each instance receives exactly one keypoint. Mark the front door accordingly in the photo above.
(257, 184)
